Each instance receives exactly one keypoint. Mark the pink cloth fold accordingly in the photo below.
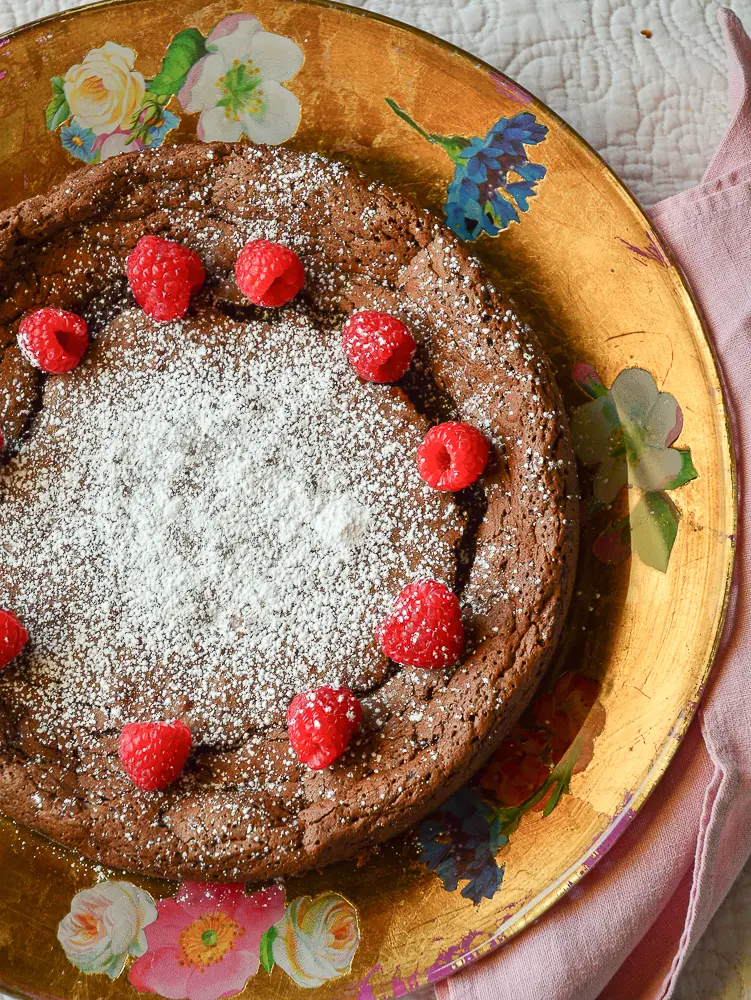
(628, 929)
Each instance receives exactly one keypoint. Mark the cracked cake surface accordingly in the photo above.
(210, 515)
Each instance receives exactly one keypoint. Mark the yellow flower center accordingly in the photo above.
(86, 927)
(93, 87)
(342, 931)
(76, 140)
(208, 939)
(241, 90)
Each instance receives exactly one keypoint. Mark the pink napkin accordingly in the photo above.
(627, 930)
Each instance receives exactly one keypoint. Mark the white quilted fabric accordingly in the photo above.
(655, 108)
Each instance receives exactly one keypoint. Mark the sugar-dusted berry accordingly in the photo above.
(452, 456)
(378, 345)
(268, 274)
(153, 754)
(163, 275)
(320, 724)
(52, 339)
(13, 637)
(424, 628)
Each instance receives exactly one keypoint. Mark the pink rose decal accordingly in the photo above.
(206, 941)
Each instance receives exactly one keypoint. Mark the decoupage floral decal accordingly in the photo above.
(237, 85)
(530, 771)
(626, 434)
(206, 941)
(314, 941)
(210, 939)
(105, 925)
(493, 177)
(233, 77)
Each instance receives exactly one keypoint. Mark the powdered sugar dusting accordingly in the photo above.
(212, 529)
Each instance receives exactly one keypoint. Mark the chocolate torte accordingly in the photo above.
(209, 515)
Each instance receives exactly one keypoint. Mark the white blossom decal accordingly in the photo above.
(627, 432)
(237, 85)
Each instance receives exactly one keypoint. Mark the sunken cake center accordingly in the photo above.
(224, 512)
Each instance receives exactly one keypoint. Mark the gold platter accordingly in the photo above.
(562, 234)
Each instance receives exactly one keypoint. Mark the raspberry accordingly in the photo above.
(163, 275)
(452, 456)
(379, 347)
(13, 637)
(320, 724)
(424, 628)
(268, 274)
(154, 753)
(54, 340)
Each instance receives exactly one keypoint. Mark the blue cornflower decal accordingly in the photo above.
(460, 841)
(494, 178)
(157, 131)
(78, 141)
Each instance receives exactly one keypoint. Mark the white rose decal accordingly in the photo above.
(105, 925)
(237, 85)
(316, 939)
(104, 92)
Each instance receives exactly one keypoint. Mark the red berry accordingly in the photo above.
(163, 275)
(268, 274)
(13, 637)
(424, 628)
(54, 340)
(452, 456)
(320, 724)
(379, 347)
(154, 753)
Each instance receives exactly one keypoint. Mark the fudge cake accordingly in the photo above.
(211, 516)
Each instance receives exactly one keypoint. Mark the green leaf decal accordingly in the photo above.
(654, 525)
(185, 49)
(58, 110)
(687, 472)
(453, 144)
(267, 958)
(560, 776)
(555, 786)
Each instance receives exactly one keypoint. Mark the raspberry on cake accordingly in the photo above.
(425, 627)
(213, 515)
(321, 723)
(452, 456)
(163, 275)
(379, 346)
(52, 339)
(13, 637)
(268, 274)
(153, 754)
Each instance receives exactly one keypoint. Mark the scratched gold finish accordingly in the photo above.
(650, 636)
